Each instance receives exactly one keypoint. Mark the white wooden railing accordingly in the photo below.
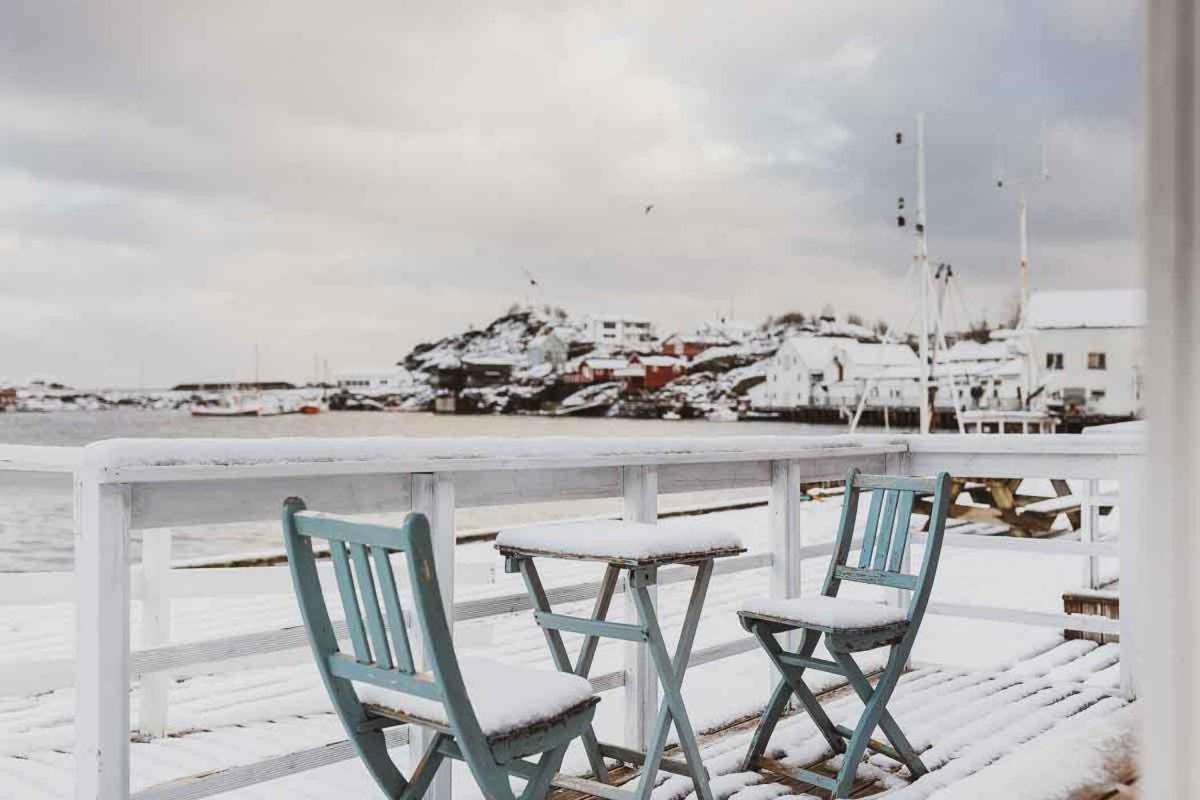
(153, 485)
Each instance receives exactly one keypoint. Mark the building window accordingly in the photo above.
(1098, 394)
(1097, 361)
(1054, 360)
(610, 325)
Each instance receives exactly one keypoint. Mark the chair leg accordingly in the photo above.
(426, 770)
(794, 677)
(876, 707)
(548, 765)
(891, 729)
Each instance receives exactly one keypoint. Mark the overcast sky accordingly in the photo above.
(181, 181)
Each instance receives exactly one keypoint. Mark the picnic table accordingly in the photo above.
(1001, 502)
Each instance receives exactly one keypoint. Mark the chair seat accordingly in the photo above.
(828, 614)
(509, 700)
(614, 541)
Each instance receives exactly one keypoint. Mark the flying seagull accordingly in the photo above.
(648, 208)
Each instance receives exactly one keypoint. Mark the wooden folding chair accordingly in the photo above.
(852, 626)
(488, 714)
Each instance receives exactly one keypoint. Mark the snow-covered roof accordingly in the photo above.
(814, 351)
(659, 361)
(605, 363)
(968, 350)
(1087, 308)
(879, 355)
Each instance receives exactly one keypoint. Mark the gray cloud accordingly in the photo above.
(181, 181)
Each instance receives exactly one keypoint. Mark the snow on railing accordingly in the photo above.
(152, 485)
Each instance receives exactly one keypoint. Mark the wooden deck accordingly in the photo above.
(963, 722)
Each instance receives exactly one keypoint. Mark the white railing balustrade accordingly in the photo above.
(155, 485)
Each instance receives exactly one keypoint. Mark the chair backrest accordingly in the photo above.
(375, 622)
(881, 558)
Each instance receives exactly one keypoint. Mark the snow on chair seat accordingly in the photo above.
(618, 542)
(508, 699)
(829, 614)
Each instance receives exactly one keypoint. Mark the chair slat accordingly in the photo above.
(900, 537)
(345, 582)
(370, 604)
(391, 603)
(884, 539)
(876, 577)
(871, 528)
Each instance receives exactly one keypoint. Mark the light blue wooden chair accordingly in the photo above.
(488, 714)
(851, 626)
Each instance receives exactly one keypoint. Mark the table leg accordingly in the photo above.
(670, 674)
(558, 650)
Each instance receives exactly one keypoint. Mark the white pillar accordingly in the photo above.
(1089, 528)
(1170, 552)
(783, 509)
(102, 640)
(156, 628)
(640, 489)
(433, 496)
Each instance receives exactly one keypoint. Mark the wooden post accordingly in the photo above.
(640, 489)
(1089, 526)
(102, 640)
(783, 509)
(1168, 600)
(1133, 511)
(156, 628)
(433, 496)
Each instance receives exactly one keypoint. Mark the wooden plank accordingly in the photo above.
(156, 628)
(433, 494)
(102, 641)
(886, 522)
(783, 511)
(871, 530)
(209, 502)
(227, 780)
(196, 460)
(640, 490)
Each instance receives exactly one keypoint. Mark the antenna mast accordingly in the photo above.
(1020, 184)
(921, 262)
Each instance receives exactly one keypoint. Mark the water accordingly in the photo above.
(36, 510)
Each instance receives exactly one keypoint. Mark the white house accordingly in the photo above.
(887, 372)
(1088, 349)
(798, 371)
(547, 348)
(621, 330)
(367, 381)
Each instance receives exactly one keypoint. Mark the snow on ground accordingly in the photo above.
(1008, 685)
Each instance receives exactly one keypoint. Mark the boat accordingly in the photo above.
(672, 415)
(233, 404)
(722, 414)
(310, 407)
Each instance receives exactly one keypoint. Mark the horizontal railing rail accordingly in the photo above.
(157, 484)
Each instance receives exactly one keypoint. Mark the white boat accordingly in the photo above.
(723, 414)
(232, 404)
(672, 415)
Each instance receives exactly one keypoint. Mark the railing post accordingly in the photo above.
(783, 508)
(640, 489)
(1089, 526)
(102, 640)
(156, 628)
(433, 496)
(1133, 511)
